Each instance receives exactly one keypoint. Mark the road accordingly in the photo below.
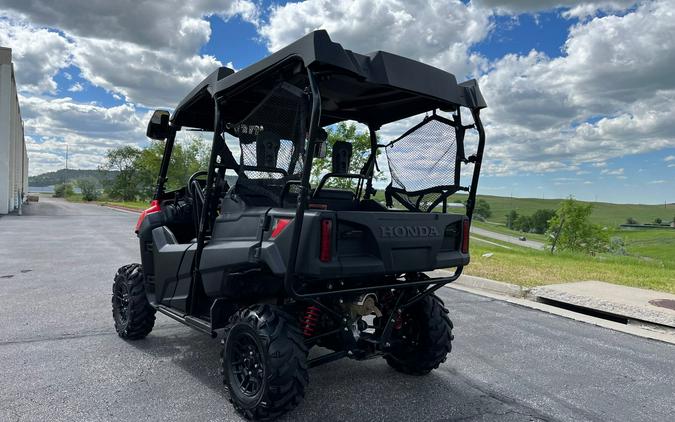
(506, 238)
(61, 360)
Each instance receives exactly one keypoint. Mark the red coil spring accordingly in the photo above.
(310, 320)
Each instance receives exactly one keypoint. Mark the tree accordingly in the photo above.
(482, 208)
(573, 230)
(88, 187)
(523, 223)
(138, 168)
(631, 220)
(657, 220)
(123, 160)
(360, 141)
(511, 218)
(539, 220)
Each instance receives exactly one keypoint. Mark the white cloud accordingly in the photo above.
(151, 78)
(612, 94)
(656, 182)
(439, 32)
(88, 129)
(76, 87)
(613, 172)
(37, 53)
(669, 158)
(147, 52)
(575, 8)
(170, 24)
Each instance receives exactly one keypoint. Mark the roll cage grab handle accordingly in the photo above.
(166, 159)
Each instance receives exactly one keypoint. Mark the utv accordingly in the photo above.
(251, 251)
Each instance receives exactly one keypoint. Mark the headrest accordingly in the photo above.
(342, 156)
(267, 149)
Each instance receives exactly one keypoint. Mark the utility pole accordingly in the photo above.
(65, 176)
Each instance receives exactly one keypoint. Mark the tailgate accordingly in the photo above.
(397, 242)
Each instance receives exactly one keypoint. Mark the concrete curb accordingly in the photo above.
(653, 333)
(121, 208)
(484, 284)
(522, 296)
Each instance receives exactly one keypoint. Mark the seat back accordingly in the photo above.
(267, 149)
(342, 156)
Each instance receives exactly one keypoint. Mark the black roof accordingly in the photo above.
(375, 88)
(196, 109)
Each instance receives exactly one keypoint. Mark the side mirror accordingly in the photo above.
(320, 145)
(158, 126)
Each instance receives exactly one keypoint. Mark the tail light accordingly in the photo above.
(279, 226)
(154, 207)
(466, 225)
(326, 232)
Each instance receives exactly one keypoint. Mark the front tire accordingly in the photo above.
(424, 338)
(134, 316)
(264, 362)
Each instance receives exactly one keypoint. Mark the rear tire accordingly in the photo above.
(428, 338)
(133, 315)
(264, 362)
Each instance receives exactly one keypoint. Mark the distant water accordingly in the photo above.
(47, 189)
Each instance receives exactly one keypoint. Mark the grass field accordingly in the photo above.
(657, 245)
(529, 267)
(603, 213)
(137, 205)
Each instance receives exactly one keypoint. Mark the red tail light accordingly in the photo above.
(154, 207)
(466, 225)
(279, 226)
(326, 231)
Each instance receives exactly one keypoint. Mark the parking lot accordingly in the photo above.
(60, 358)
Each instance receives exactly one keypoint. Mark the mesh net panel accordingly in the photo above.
(279, 115)
(424, 159)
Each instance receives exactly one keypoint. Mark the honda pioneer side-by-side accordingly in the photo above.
(259, 251)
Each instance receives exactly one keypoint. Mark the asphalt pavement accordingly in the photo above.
(533, 244)
(60, 358)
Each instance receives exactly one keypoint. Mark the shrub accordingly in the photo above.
(63, 190)
(631, 220)
(617, 246)
(89, 189)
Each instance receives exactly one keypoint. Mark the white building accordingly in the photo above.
(13, 156)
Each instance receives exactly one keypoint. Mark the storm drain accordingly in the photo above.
(663, 303)
(583, 310)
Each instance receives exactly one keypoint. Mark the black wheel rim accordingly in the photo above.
(121, 301)
(246, 364)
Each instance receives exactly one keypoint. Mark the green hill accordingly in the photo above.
(603, 213)
(55, 177)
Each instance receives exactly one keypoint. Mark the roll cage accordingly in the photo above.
(331, 84)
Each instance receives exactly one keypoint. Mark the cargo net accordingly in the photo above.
(269, 138)
(424, 164)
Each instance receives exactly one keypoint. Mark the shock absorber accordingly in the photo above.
(311, 320)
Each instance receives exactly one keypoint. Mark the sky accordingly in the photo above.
(581, 94)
